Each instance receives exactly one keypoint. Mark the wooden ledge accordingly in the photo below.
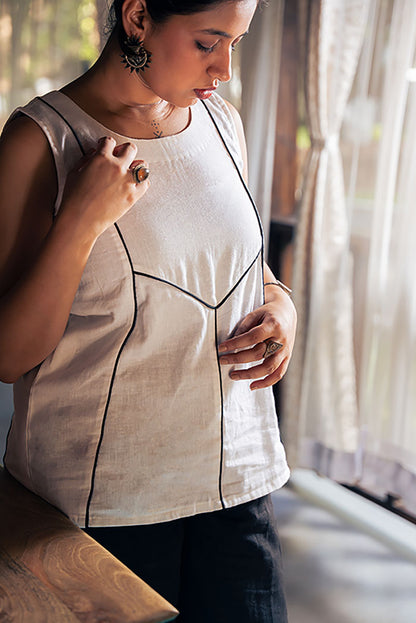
(52, 572)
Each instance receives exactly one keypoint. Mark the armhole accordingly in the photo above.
(224, 135)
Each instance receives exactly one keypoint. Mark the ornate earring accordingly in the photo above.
(135, 57)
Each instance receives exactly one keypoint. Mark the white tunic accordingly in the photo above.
(131, 419)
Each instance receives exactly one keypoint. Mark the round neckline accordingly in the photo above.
(123, 136)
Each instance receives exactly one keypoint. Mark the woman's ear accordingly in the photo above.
(135, 18)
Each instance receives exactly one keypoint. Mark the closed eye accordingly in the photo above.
(208, 49)
(236, 42)
(205, 49)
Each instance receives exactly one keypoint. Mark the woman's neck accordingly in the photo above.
(122, 101)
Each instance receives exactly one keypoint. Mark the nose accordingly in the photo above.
(221, 67)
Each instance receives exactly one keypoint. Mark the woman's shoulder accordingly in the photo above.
(238, 123)
(23, 148)
(24, 127)
(228, 117)
(222, 108)
(21, 130)
(27, 191)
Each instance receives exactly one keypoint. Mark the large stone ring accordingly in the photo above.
(140, 173)
(271, 347)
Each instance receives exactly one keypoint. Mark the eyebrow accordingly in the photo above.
(220, 33)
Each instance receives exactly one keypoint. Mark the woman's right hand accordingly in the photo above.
(42, 259)
(101, 188)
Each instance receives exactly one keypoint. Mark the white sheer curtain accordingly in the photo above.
(366, 433)
(321, 422)
(260, 63)
(387, 381)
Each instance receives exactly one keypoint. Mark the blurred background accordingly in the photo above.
(327, 93)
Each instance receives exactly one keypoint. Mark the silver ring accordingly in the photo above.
(140, 173)
(271, 348)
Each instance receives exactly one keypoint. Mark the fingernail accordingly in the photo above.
(234, 375)
(224, 360)
(222, 348)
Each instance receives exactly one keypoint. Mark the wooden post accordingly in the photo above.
(285, 161)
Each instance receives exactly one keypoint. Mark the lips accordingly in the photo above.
(203, 94)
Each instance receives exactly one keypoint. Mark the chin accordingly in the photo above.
(183, 102)
(191, 100)
(180, 100)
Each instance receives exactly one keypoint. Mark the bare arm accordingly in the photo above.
(41, 260)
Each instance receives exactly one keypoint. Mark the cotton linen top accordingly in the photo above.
(131, 419)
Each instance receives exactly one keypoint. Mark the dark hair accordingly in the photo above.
(161, 10)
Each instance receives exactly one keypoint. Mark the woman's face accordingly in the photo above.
(192, 53)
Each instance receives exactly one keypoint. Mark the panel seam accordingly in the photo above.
(197, 298)
(221, 466)
(116, 362)
(110, 389)
(261, 253)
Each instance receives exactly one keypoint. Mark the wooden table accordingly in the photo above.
(52, 572)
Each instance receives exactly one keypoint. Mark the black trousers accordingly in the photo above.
(219, 567)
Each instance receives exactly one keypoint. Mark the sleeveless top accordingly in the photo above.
(131, 419)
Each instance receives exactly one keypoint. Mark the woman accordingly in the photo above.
(133, 290)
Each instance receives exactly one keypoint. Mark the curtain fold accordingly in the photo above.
(388, 361)
(260, 81)
(321, 417)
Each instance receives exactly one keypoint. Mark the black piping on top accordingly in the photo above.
(197, 298)
(67, 123)
(133, 272)
(216, 333)
(113, 376)
(110, 389)
(253, 203)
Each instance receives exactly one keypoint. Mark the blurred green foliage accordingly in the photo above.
(43, 45)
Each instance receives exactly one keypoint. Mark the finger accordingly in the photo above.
(271, 379)
(85, 159)
(136, 162)
(246, 340)
(125, 150)
(106, 145)
(249, 322)
(265, 369)
(244, 356)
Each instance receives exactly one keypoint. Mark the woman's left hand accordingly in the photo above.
(275, 321)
